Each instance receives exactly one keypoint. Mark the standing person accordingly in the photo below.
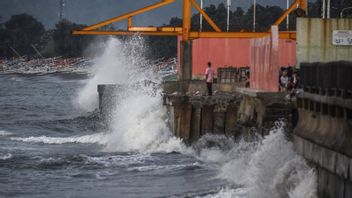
(284, 81)
(209, 78)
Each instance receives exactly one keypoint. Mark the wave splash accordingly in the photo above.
(268, 169)
(139, 121)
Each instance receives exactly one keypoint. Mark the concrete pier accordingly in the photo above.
(193, 114)
(323, 134)
(227, 112)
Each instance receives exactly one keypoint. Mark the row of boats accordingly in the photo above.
(45, 65)
(166, 67)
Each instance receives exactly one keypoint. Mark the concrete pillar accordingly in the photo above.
(230, 120)
(171, 112)
(219, 118)
(177, 112)
(219, 122)
(185, 122)
(196, 123)
(176, 115)
(207, 119)
(108, 96)
(185, 60)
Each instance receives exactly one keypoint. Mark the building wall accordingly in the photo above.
(267, 56)
(220, 52)
(314, 40)
(233, 52)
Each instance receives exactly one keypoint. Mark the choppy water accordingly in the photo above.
(52, 145)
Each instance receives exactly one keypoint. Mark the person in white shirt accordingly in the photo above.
(209, 78)
(284, 81)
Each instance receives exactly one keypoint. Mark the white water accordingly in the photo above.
(5, 133)
(118, 64)
(266, 169)
(5, 157)
(95, 138)
(139, 120)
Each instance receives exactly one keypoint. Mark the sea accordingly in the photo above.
(53, 142)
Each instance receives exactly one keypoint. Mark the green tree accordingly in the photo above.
(163, 47)
(1, 24)
(23, 30)
(236, 19)
(4, 43)
(175, 22)
(66, 44)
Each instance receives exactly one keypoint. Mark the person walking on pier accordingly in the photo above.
(209, 77)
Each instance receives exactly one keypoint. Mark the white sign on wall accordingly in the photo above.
(342, 37)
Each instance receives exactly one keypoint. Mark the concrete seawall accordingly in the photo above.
(231, 111)
(323, 134)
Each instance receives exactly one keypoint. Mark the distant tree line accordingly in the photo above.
(21, 32)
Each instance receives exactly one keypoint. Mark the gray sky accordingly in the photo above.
(93, 11)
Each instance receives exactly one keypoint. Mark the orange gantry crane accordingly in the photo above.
(185, 30)
(185, 56)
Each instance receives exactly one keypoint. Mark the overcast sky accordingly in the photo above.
(93, 11)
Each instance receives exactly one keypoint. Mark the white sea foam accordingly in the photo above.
(228, 193)
(268, 169)
(5, 133)
(162, 167)
(6, 157)
(121, 160)
(95, 138)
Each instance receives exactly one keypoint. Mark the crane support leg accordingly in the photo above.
(206, 17)
(301, 3)
(287, 12)
(186, 25)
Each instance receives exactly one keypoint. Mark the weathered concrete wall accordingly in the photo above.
(333, 168)
(192, 113)
(263, 108)
(314, 40)
(192, 116)
(323, 134)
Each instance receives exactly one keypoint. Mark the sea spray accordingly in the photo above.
(139, 120)
(118, 64)
(268, 168)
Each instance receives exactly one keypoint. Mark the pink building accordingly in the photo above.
(238, 52)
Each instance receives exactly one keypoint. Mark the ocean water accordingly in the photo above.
(52, 143)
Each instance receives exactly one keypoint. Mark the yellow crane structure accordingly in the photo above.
(185, 31)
